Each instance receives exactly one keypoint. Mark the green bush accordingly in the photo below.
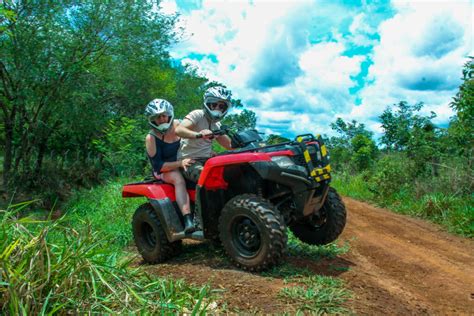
(391, 173)
(122, 147)
(364, 152)
(353, 185)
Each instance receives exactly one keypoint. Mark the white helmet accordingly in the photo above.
(157, 107)
(214, 95)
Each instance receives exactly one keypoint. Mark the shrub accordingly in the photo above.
(123, 147)
(391, 173)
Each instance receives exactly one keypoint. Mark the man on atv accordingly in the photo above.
(196, 129)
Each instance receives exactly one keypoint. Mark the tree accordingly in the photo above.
(354, 145)
(246, 119)
(68, 68)
(399, 126)
(461, 129)
(347, 130)
(363, 151)
(408, 131)
(276, 139)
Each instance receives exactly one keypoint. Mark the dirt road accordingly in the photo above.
(396, 265)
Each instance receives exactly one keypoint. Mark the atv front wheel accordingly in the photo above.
(150, 237)
(325, 227)
(252, 232)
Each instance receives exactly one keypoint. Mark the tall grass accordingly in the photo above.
(454, 212)
(48, 266)
(104, 209)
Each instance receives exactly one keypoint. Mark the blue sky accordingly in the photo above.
(301, 64)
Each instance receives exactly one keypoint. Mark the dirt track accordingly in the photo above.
(395, 265)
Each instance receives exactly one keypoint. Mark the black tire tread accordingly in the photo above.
(337, 207)
(166, 250)
(274, 224)
(336, 212)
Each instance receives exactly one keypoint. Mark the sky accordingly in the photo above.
(299, 65)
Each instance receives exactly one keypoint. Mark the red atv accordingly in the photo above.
(246, 199)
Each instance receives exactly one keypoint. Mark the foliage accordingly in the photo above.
(354, 185)
(67, 69)
(122, 147)
(48, 267)
(392, 172)
(364, 152)
(105, 211)
(349, 130)
(461, 129)
(244, 120)
(276, 139)
(399, 126)
(353, 147)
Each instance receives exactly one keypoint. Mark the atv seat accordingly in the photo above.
(151, 179)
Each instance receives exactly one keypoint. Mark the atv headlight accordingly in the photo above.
(283, 161)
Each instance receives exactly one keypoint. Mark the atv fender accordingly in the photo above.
(149, 190)
(153, 191)
(308, 196)
(169, 219)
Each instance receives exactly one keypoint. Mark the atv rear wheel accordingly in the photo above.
(325, 228)
(252, 232)
(150, 237)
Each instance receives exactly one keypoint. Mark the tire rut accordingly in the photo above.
(397, 258)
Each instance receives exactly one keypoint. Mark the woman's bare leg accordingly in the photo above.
(182, 197)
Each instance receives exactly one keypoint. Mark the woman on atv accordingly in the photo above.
(196, 128)
(162, 145)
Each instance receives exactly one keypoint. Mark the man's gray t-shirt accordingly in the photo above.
(197, 148)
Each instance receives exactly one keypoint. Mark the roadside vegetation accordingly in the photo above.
(67, 264)
(419, 168)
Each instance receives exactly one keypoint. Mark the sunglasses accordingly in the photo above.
(219, 105)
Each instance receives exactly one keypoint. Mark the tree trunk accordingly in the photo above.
(39, 160)
(7, 159)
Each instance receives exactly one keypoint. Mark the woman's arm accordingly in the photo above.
(158, 165)
(172, 165)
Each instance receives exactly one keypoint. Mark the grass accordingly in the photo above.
(454, 212)
(75, 265)
(104, 210)
(299, 249)
(316, 294)
(307, 292)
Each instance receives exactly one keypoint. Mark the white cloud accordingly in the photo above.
(286, 60)
(412, 62)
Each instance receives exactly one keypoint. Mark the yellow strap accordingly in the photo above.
(323, 150)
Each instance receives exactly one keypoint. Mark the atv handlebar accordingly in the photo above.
(217, 132)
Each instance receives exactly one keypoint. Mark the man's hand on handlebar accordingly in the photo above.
(205, 134)
(208, 134)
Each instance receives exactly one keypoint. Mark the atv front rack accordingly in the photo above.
(319, 174)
